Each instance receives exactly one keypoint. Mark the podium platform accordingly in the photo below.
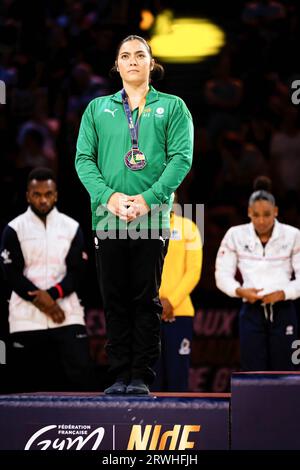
(92, 421)
(265, 411)
(261, 413)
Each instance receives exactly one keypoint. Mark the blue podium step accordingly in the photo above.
(85, 421)
(265, 411)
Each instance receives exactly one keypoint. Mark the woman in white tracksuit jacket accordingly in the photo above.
(267, 254)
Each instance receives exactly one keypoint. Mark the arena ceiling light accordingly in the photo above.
(185, 40)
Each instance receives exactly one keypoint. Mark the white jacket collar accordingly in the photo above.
(50, 217)
(254, 237)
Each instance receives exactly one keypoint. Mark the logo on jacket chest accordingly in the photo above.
(111, 111)
(159, 112)
(247, 248)
(146, 113)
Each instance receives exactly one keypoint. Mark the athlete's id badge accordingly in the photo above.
(135, 159)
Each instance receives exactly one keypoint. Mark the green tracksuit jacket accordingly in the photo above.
(165, 137)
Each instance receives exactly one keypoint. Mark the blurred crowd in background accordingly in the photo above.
(55, 56)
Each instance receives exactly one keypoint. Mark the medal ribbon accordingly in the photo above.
(133, 128)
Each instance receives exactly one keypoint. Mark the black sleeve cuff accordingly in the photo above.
(53, 292)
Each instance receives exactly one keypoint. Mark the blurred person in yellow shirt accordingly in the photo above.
(181, 273)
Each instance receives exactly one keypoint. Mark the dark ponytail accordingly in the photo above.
(262, 191)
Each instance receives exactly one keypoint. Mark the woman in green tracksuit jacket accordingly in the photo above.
(134, 149)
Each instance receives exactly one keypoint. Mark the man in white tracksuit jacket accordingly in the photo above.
(43, 259)
(267, 254)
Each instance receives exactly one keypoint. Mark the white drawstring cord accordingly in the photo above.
(265, 306)
(265, 311)
(271, 313)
